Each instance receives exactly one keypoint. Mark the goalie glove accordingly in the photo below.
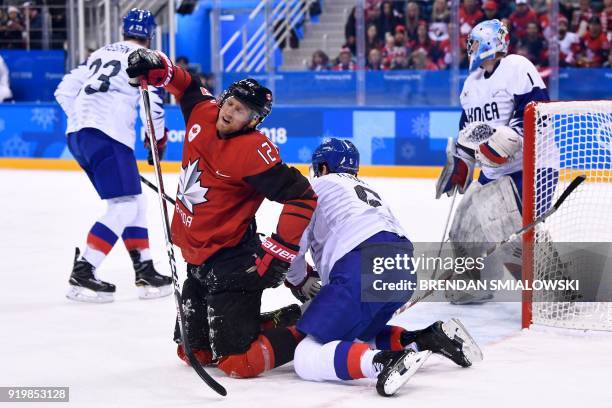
(458, 171)
(500, 148)
(308, 288)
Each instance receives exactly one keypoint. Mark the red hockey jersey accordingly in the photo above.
(224, 181)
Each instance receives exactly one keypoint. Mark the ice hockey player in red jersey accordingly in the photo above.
(228, 168)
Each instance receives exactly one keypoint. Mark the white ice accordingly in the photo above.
(122, 355)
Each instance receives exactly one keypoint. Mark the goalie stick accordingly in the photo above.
(433, 275)
(164, 210)
(569, 190)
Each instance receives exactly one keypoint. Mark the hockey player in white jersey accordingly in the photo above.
(494, 98)
(101, 108)
(347, 337)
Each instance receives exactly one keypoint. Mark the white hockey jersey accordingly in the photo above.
(499, 99)
(348, 212)
(97, 94)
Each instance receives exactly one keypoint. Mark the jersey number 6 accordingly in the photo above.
(362, 193)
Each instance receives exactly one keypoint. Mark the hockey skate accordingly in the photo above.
(85, 286)
(450, 339)
(150, 283)
(283, 317)
(396, 367)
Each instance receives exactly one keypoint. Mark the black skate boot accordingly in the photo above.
(396, 367)
(283, 317)
(151, 285)
(84, 286)
(451, 339)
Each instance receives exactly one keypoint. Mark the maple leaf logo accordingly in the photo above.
(190, 192)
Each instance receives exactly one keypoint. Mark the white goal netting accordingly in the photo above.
(573, 138)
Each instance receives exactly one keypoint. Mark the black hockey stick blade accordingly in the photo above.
(573, 185)
(168, 236)
(154, 188)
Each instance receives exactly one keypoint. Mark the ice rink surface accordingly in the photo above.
(122, 355)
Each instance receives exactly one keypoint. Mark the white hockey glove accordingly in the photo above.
(308, 288)
(501, 147)
(457, 173)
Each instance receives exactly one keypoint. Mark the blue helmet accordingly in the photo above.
(340, 156)
(491, 37)
(139, 23)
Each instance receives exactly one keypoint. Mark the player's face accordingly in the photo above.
(233, 116)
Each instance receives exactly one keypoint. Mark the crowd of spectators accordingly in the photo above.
(21, 24)
(414, 34)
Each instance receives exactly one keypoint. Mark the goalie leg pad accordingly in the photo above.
(487, 214)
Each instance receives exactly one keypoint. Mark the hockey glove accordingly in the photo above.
(503, 145)
(154, 66)
(161, 147)
(308, 288)
(273, 261)
(457, 173)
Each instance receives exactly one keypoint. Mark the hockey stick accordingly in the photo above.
(164, 210)
(433, 275)
(154, 188)
(569, 190)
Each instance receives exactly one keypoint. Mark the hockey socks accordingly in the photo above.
(390, 338)
(336, 360)
(100, 241)
(137, 239)
(344, 360)
(271, 349)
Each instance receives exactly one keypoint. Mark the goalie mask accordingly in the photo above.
(485, 41)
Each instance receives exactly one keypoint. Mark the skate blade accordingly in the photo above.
(81, 294)
(455, 330)
(147, 292)
(406, 369)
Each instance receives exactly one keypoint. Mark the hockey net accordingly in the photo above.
(563, 140)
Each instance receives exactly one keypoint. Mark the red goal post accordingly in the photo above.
(561, 141)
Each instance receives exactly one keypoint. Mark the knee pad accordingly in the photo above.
(305, 360)
(140, 219)
(487, 213)
(122, 210)
(257, 359)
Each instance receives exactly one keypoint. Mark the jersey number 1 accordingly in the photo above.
(105, 79)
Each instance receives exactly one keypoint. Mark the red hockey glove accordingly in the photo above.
(308, 288)
(273, 260)
(161, 146)
(154, 66)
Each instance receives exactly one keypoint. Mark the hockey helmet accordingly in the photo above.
(340, 156)
(491, 37)
(258, 98)
(139, 23)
